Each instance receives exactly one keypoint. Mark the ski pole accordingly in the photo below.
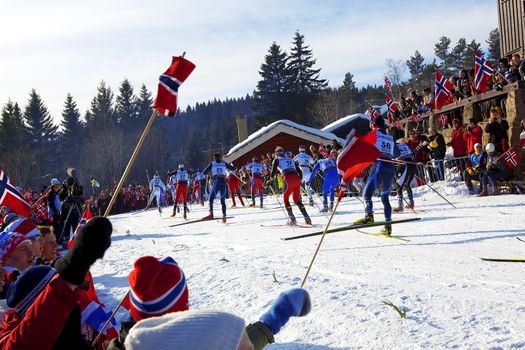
(282, 207)
(339, 197)
(436, 192)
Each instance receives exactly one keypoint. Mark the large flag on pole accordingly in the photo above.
(358, 154)
(388, 85)
(443, 87)
(11, 197)
(169, 82)
(482, 72)
(391, 109)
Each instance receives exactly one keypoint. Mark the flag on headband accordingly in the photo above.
(443, 87)
(511, 157)
(358, 154)
(11, 197)
(388, 85)
(392, 107)
(443, 119)
(482, 72)
(85, 218)
(169, 82)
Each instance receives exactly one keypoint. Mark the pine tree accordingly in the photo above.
(12, 131)
(144, 105)
(125, 106)
(457, 56)
(72, 130)
(493, 43)
(415, 65)
(41, 131)
(472, 48)
(272, 89)
(441, 50)
(349, 83)
(101, 111)
(304, 81)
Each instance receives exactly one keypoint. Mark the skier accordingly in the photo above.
(199, 182)
(407, 171)
(292, 183)
(157, 188)
(331, 178)
(256, 170)
(382, 173)
(181, 180)
(305, 162)
(234, 185)
(172, 182)
(217, 169)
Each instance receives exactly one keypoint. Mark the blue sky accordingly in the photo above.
(60, 47)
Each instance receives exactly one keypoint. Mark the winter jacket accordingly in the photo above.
(495, 162)
(458, 143)
(419, 151)
(472, 136)
(498, 134)
(53, 204)
(52, 322)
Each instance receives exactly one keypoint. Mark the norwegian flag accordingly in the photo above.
(415, 118)
(511, 157)
(169, 82)
(39, 212)
(443, 119)
(482, 72)
(11, 197)
(373, 113)
(95, 314)
(392, 107)
(443, 87)
(400, 125)
(86, 216)
(388, 85)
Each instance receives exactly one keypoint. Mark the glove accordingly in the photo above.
(293, 302)
(90, 244)
(470, 171)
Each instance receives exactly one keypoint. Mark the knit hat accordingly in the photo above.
(10, 217)
(8, 243)
(158, 286)
(27, 287)
(24, 227)
(55, 182)
(188, 330)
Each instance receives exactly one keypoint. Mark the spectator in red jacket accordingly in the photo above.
(473, 135)
(458, 143)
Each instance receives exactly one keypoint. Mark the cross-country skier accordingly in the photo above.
(217, 169)
(331, 178)
(199, 183)
(181, 193)
(382, 173)
(157, 188)
(234, 183)
(407, 172)
(305, 162)
(292, 183)
(256, 169)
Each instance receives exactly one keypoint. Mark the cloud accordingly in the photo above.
(58, 47)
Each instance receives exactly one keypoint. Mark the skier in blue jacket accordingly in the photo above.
(331, 178)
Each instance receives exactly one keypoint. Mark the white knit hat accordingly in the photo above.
(188, 330)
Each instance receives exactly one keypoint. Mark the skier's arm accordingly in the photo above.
(230, 167)
(314, 170)
(275, 168)
(207, 170)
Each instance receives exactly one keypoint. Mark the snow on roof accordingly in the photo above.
(340, 122)
(274, 128)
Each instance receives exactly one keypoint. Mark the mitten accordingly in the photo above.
(90, 244)
(293, 302)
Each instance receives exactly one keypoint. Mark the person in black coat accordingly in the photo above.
(497, 130)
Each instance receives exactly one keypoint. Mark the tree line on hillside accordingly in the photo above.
(33, 149)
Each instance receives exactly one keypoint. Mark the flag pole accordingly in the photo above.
(109, 320)
(131, 161)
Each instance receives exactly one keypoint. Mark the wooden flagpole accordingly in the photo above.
(131, 161)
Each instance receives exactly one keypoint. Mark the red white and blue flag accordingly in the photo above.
(388, 85)
(443, 119)
(511, 158)
(11, 197)
(373, 114)
(392, 107)
(86, 216)
(400, 125)
(443, 87)
(415, 118)
(482, 72)
(95, 315)
(169, 82)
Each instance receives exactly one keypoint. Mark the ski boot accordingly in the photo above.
(386, 230)
(331, 206)
(325, 209)
(261, 205)
(208, 217)
(147, 207)
(368, 219)
(252, 204)
(307, 220)
(223, 220)
(160, 210)
(410, 205)
(233, 206)
(292, 220)
(174, 213)
(399, 209)
(185, 214)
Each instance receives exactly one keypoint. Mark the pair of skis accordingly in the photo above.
(355, 227)
(520, 260)
(198, 220)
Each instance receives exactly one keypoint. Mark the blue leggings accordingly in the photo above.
(382, 174)
(219, 185)
(331, 180)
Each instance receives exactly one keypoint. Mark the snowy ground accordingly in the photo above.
(452, 298)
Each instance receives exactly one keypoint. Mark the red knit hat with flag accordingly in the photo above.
(158, 286)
